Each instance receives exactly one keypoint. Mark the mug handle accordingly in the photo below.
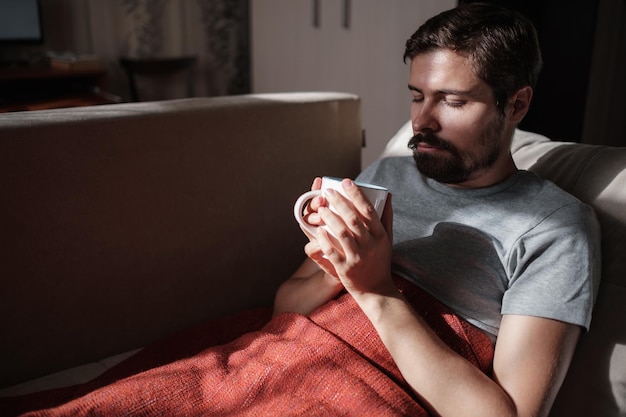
(299, 207)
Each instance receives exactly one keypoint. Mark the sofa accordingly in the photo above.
(122, 224)
(115, 216)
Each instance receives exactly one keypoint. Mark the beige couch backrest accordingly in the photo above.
(124, 223)
(596, 383)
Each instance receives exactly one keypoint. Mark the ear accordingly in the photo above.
(519, 104)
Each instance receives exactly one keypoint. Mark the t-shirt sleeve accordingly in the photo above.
(555, 267)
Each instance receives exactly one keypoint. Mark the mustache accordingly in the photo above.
(429, 139)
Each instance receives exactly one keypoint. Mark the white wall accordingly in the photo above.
(289, 54)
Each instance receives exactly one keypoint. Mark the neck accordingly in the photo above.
(500, 171)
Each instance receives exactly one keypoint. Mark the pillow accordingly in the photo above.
(397, 145)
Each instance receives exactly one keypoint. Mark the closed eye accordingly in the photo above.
(455, 103)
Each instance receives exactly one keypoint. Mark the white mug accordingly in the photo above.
(375, 194)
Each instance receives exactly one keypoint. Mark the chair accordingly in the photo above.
(158, 67)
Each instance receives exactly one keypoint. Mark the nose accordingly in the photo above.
(424, 117)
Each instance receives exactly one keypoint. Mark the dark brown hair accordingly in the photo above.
(501, 45)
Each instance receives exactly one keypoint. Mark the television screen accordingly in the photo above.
(20, 22)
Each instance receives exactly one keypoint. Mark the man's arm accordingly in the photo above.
(532, 356)
(308, 288)
(531, 360)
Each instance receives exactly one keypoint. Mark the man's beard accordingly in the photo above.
(449, 166)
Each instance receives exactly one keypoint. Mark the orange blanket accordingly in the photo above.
(331, 363)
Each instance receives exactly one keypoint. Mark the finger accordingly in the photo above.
(329, 245)
(360, 201)
(311, 215)
(316, 203)
(371, 220)
(324, 253)
(347, 236)
(313, 251)
(353, 224)
(317, 184)
(334, 224)
(343, 221)
(314, 235)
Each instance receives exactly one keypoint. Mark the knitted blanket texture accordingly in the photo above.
(331, 363)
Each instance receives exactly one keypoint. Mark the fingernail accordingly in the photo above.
(348, 183)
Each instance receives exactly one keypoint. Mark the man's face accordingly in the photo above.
(459, 132)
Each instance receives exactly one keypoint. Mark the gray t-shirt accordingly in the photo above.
(523, 246)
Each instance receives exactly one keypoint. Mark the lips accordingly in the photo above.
(427, 147)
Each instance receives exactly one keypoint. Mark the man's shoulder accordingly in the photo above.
(545, 190)
(549, 201)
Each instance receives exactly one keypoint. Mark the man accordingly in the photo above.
(512, 254)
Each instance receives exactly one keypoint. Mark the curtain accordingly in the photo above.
(215, 31)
